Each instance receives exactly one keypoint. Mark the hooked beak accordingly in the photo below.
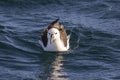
(51, 35)
(51, 38)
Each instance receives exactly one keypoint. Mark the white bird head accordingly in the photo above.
(53, 34)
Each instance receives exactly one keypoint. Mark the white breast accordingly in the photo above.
(55, 46)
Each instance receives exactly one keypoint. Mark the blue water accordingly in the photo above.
(94, 52)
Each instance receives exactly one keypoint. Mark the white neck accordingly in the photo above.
(57, 45)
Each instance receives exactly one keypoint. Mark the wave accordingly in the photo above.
(27, 3)
(81, 38)
(94, 42)
(88, 39)
(93, 49)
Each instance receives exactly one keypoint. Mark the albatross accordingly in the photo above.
(54, 38)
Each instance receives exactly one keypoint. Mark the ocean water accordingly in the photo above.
(94, 52)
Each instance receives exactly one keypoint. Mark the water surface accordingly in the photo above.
(94, 53)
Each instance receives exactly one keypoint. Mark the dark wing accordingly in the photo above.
(63, 35)
(44, 37)
(54, 24)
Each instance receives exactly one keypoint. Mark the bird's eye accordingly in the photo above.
(49, 33)
(55, 33)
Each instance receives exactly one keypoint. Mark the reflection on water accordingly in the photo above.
(53, 67)
(58, 72)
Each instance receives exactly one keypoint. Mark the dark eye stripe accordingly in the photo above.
(55, 33)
